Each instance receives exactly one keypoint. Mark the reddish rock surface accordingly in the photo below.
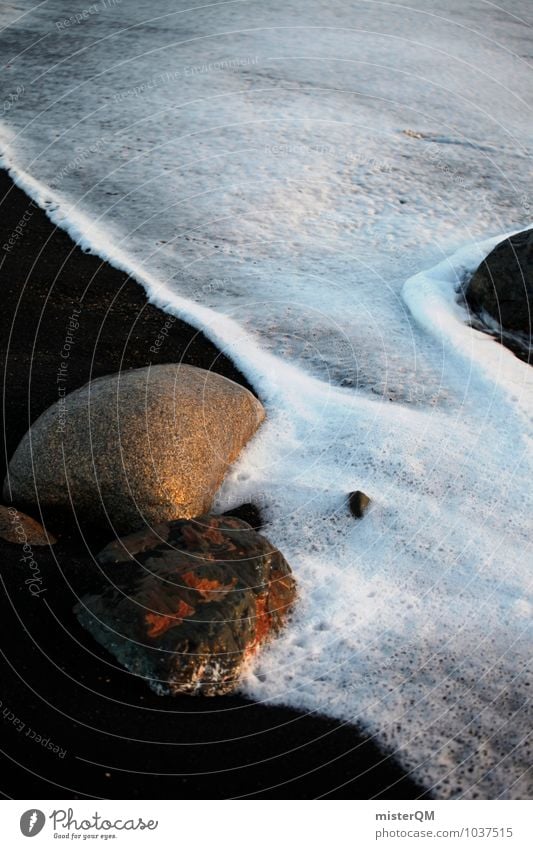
(20, 529)
(188, 602)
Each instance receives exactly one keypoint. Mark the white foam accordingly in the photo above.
(415, 622)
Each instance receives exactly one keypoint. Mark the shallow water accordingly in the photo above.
(275, 173)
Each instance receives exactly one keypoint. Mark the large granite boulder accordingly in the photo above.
(503, 283)
(144, 446)
(188, 602)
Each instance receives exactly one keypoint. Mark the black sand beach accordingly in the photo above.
(73, 724)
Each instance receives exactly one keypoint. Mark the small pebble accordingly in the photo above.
(358, 502)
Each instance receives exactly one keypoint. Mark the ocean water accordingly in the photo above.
(310, 183)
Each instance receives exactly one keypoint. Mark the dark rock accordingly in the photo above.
(503, 283)
(249, 513)
(20, 529)
(189, 602)
(358, 502)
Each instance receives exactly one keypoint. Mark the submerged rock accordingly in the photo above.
(142, 446)
(20, 529)
(358, 503)
(503, 283)
(189, 602)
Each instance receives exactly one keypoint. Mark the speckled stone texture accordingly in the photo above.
(503, 283)
(187, 603)
(145, 446)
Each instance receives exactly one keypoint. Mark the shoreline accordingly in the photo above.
(63, 306)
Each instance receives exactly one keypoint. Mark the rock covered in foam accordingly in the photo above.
(189, 602)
